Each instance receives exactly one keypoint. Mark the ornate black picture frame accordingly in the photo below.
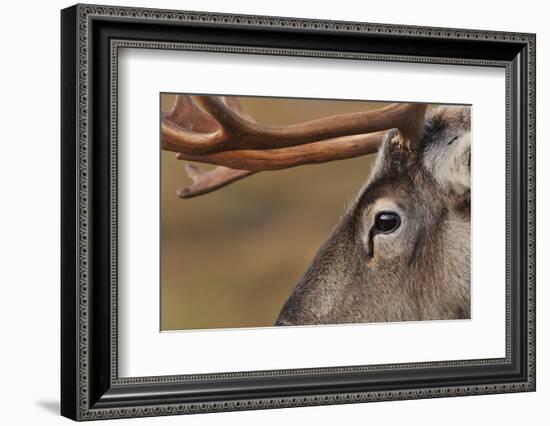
(91, 388)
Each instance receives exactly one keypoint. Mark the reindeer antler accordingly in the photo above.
(223, 134)
(205, 181)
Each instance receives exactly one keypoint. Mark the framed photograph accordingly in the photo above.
(263, 212)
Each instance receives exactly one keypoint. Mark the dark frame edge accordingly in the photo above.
(69, 312)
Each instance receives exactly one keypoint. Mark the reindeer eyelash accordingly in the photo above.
(452, 140)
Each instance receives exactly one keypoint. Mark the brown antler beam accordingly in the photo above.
(284, 158)
(237, 132)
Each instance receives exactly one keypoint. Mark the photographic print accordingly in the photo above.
(303, 212)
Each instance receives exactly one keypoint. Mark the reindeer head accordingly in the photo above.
(401, 251)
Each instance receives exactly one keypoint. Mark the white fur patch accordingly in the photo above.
(448, 162)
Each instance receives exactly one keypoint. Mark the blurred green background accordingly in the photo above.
(230, 258)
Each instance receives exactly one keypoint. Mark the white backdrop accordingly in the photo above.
(29, 225)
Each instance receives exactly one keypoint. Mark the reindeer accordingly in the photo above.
(401, 251)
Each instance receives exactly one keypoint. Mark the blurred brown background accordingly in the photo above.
(230, 258)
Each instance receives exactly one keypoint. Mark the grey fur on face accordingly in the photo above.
(401, 251)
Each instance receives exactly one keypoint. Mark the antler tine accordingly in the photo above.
(205, 181)
(233, 103)
(185, 114)
(186, 121)
(187, 128)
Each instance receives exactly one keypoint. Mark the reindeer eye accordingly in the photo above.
(387, 222)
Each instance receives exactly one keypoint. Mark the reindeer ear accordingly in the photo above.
(448, 159)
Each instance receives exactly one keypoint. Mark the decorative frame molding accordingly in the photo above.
(91, 388)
